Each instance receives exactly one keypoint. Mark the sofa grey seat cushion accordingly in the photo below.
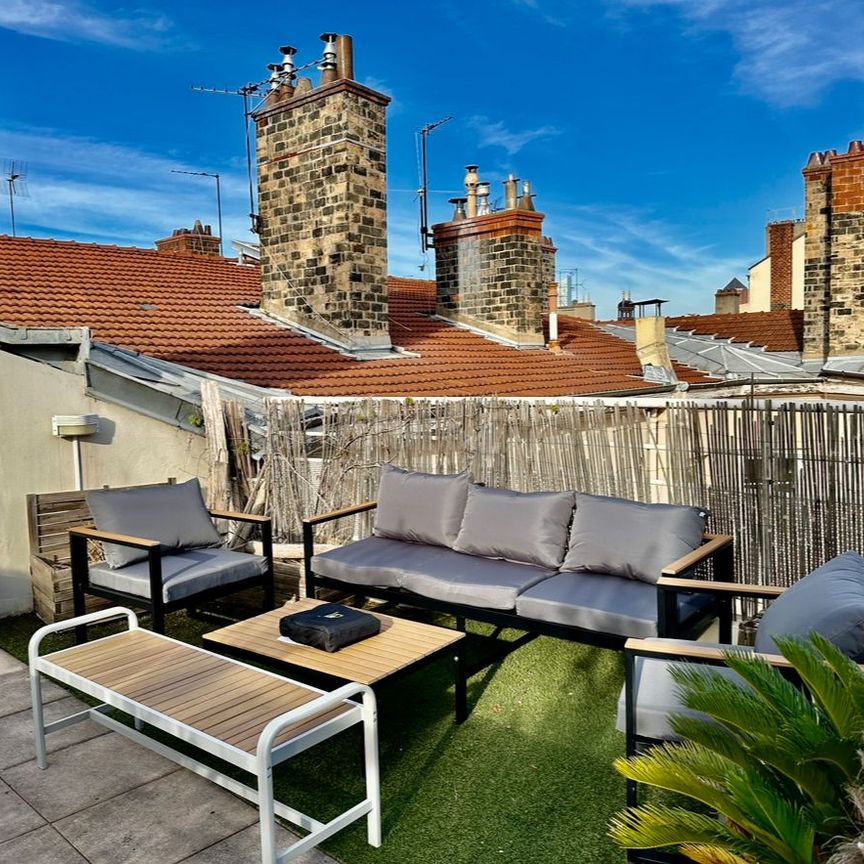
(657, 693)
(183, 575)
(595, 601)
(431, 571)
(830, 600)
(373, 561)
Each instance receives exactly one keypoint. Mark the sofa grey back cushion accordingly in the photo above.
(173, 514)
(529, 527)
(420, 508)
(627, 538)
(830, 600)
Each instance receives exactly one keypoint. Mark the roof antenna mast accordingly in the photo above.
(15, 174)
(423, 191)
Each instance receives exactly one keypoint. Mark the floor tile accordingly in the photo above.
(42, 846)
(16, 815)
(85, 774)
(166, 820)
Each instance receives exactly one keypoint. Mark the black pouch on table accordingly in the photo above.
(329, 627)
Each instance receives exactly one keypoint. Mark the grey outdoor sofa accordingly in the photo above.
(566, 564)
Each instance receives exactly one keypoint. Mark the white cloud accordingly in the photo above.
(99, 191)
(71, 22)
(790, 51)
(495, 134)
(618, 249)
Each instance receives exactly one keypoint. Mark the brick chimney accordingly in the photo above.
(779, 247)
(834, 254)
(322, 201)
(197, 240)
(493, 269)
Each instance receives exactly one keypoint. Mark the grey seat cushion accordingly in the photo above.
(629, 538)
(431, 571)
(830, 600)
(595, 601)
(456, 578)
(183, 575)
(420, 508)
(373, 561)
(657, 695)
(174, 514)
(530, 527)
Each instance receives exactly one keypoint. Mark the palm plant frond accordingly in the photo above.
(702, 854)
(653, 826)
(839, 693)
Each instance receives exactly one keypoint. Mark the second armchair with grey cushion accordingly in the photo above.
(828, 601)
(162, 551)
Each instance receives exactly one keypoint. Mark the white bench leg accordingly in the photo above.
(373, 777)
(266, 815)
(38, 719)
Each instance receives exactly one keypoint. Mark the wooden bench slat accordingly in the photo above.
(187, 682)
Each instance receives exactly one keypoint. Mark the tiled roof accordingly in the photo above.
(188, 310)
(782, 330)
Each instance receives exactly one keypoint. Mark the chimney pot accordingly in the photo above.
(328, 63)
(816, 160)
(856, 146)
(511, 194)
(304, 85)
(345, 57)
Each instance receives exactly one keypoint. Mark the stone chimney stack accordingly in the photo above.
(322, 201)
(198, 240)
(834, 251)
(493, 269)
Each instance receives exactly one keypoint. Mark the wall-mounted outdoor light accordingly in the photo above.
(75, 427)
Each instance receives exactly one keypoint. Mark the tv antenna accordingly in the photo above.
(280, 73)
(217, 177)
(15, 174)
(423, 191)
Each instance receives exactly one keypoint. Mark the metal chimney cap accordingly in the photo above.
(328, 37)
(290, 50)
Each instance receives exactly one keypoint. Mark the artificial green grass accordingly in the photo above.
(528, 777)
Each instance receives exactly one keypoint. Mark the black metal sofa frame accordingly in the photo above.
(717, 548)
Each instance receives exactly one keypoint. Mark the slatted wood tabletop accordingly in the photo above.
(214, 695)
(400, 644)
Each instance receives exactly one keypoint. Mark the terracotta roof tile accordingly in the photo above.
(782, 330)
(190, 310)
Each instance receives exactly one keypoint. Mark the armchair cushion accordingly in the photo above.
(657, 694)
(830, 600)
(420, 508)
(183, 575)
(527, 527)
(174, 514)
(628, 538)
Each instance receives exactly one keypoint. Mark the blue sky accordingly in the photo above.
(659, 135)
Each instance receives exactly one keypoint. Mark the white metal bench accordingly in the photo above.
(246, 716)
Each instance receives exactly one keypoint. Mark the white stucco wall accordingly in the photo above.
(129, 448)
(760, 287)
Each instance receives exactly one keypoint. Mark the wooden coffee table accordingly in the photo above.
(400, 647)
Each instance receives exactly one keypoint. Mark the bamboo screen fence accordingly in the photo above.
(787, 480)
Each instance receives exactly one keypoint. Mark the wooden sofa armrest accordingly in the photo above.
(693, 651)
(714, 543)
(234, 516)
(319, 518)
(119, 539)
(729, 589)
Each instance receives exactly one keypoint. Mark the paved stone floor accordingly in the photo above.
(105, 800)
